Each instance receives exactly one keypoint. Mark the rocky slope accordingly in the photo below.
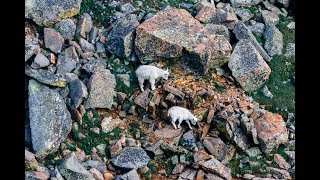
(231, 64)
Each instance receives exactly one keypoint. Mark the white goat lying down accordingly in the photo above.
(150, 73)
(181, 114)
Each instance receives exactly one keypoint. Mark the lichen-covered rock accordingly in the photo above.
(290, 50)
(238, 3)
(218, 29)
(256, 28)
(50, 121)
(206, 12)
(70, 168)
(272, 131)
(86, 46)
(47, 12)
(243, 32)
(67, 28)
(46, 77)
(77, 92)
(244, 14)
(248, 67)
(120, 39)
(65, 64)
(101, 87)
(216, 167)
(83, 26)
(131, 158)
(175, 33)
(274, 40)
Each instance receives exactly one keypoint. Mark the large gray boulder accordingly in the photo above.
(120, 39)
(243, 32)
(71, 169)
(101, 87)
(248, 66)
(274, 40)
(46, 77)
(131, 158)
(50, 121)
(47, 12)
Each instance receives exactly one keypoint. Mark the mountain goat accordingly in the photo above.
(181, 114)
(151, 73)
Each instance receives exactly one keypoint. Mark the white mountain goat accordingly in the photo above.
(151, 73)
(181, 114)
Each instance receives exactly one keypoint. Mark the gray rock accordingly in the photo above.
(125, 78)
(256, 2)
(45, 77)
(218, 29)
(189, 140)
(86, 46)
(253, 152)
(78, 91)
(266, 92)
(53, 40)
(50, 121)
(65, 64)
(290, 50)
(100, 47)
(108, 124)
(148, 16)
(57, 175)
(30, 49)
(40, 61)
(101, 89)
(244, 14)
(131, 158)
(100, 166)
(247, 66)
(47, 12)
(131, 175)
(30, 160)
(274, 40)
(218, 148)
(93, 35)
(279, 173)
(272, 7)
(83, 26)
(243, 32)
(127, 8)
(269, 17)
(70, 168)
(238, 3)
(94, 65)
(120, 39)
(67, 28)
(256, 28)
(284, 2)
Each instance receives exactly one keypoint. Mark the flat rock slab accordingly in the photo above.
(248, 66)
(131, 158)
(50, 121)
(101, 87)
(47, 12)
(167, 132)
(175, 33)
(216, 167)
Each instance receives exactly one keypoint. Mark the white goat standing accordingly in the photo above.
(151, 73)
(181, 114)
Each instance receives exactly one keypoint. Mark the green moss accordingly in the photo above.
(133, 129)
(259, 39)
(170, 166)
(61, 83)
(152, 169)
(50, 159)
(252, 9)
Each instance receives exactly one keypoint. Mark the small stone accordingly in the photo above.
(200, 156)
(238, 3)
(53, 40)
(127, 8)
(167, 132)
(71, 168)
(131, 175)
(270, 17)
(244, 14)
(78, 91)
(108, 124)
(266, 92)
(291, 25)
(218, 148)
(40, 61)
(100, 166)
(67, 28)
(108, 176)
(189, 140)
(216, 167)
(178, 169)
(84, 26)
(30, 160)
(96, 174)
(274, 40)
(290, 50)
(86, 46)
(142, 99)
(174, 159)
(131, 158)
(271, 130)
(281, 162)
(100, 47)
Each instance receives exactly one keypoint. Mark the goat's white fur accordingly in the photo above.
(150, 73)
(181, 114)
